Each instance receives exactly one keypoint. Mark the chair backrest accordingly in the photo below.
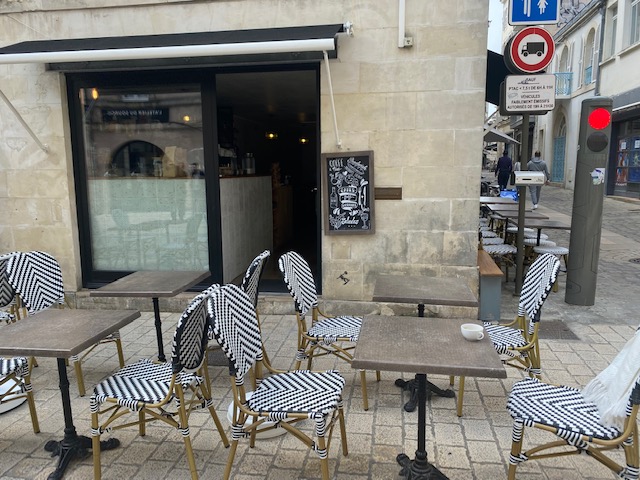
(235, 327)
(252, 276)
(37, 278)
(7, 293)
(299, 280)
(538, 282)
(190, 338)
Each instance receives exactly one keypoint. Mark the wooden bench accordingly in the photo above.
(490, 288)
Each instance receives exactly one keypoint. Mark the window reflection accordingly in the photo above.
(145, 178)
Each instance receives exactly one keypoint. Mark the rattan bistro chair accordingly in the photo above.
(250, 285)
(517, 342)
(325, 335)
(160, 391)
(579, 424)
(37, 280)
(15, 372)
(8, 300)
(283, 399)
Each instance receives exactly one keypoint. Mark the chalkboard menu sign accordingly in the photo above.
(348, 195)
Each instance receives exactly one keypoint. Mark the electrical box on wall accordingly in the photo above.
(529, 178)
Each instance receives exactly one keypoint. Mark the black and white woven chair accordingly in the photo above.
(15, 373)
(325, 335)
(284, 399)
(9, 310)
(37, 280)
(159, 391)
(565, 412)
(517, 341)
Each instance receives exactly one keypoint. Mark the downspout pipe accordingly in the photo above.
(401, 22)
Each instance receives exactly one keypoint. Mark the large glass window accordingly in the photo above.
(145, 178)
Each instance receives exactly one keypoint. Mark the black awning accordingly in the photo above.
(496, 73)
(179, 49)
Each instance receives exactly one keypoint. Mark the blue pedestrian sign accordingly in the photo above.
(534, 12)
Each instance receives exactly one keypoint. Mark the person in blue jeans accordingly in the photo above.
(536, 164)
(503, 170)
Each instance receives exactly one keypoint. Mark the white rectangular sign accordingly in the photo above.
(530, 93)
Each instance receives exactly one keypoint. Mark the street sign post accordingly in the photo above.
(534, 12)
(535, 94)
(530, 50)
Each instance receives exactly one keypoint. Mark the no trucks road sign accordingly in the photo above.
(529, 51)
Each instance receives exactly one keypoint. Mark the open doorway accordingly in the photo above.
(268, 126)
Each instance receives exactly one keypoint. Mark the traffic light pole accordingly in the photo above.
(588, 195)
(522, 197)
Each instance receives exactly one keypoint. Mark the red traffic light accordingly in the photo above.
(600, 118)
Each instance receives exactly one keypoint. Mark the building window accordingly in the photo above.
(635, 22)
(612, 26)
(588, 58)
(145, 208)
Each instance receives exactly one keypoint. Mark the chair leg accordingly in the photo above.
(460, 396)
(452, 380)
(120, 352)
(377, 375)
(324, 462)
(207, 394)
(32, 404)
(95, 447)
(183, 428)
(365, 397)
(142, 425)
(77, 365)
(343, 431)
(232, 454)
(516, 448)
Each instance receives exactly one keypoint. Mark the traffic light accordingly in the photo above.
(595, 127)
(589, 189)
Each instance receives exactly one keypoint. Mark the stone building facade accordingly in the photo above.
(416, 101)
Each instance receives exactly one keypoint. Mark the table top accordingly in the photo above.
(497, 200)
(426, 290)
(61, 333)
(499, 207)
(542, 223)
(527, 215)
(145, 283)
(424, 345)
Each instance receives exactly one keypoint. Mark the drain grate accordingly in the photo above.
(555, 330)
(634, 260)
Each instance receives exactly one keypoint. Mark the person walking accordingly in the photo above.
(536, 164)
(503, 170)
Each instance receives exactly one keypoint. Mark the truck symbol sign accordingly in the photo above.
(533, 48)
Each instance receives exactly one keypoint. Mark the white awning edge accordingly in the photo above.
(218, 49)
(43, 147)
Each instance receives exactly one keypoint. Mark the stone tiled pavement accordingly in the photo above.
(475, 446)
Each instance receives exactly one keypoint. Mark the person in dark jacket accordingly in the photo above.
(503, 170)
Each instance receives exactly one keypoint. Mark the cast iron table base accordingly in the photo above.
(411, 386)
(72, 445)
(419, 468)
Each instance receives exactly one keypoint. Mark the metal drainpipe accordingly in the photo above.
(603, 10)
